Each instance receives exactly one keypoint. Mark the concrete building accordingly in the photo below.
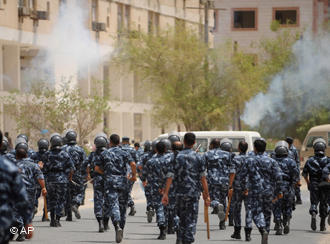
(27, 30)
(245, 22)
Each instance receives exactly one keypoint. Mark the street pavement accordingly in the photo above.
(138, 231)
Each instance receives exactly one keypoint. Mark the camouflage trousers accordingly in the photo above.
(236, 203)
(18, 220)
(187, 210)
(56, 197)
(218, 195)
(100, 203)
(159, 208)
(283, 207)
(4, 235)
(130, 200)
(257, 205)
(318, 198)
(117, 200)
(147, 193)
(171, 212)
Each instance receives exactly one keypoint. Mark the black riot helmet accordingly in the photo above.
(281, 149)
(21, 144)
(260, 144)
(70, 137)
(319, 146)
(101, 141)
(43, 145)
(23, 136)
(174, 138)
(153, 145)
(56, 141)
(167, 143)
(226, 145)
(4, 145)
(147, 146)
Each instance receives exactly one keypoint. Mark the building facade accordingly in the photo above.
(245, 22)
(28, 29)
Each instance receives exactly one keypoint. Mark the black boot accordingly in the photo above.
(52, 219)
(150, 214)
(101, 227)
(69, 215)
(133, 211)
(178, 242)
(322, 224)
(21, 236)
(106, 223)
(214, 211)
(222, 225)
(248, 234)
(119, 233)
(276, 226)
(286, 226)
(237, 233)
(264, 236)
(162, 234)
(298, 201)
(313, 221)
(279, 229)
(58, 224)
(76, 211)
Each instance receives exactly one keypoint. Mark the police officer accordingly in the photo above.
(13, 195)
(139, 151)
(126, 147)
(4, 146)
(293, 153)
(290, 175)
(155, 173)
(326, 178)
(39, 158)
(238, 195)
(31, 175)
(260, 175)
(113, 167)
(100, 204)
(59, 169)
(312, 173)
(148, 153)
(26, 138)
(76, 190)
(190, 178)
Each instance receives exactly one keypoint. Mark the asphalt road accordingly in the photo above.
(138, 231)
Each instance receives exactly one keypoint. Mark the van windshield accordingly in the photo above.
(235, 141)
(311, 139)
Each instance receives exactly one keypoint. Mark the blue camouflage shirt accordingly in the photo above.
(12, 194)
(39, 157)
(58, 166)
(314, 167)
(219, 165)
(239, 163)
(289, 170)
(189, 168)
(293, 153)
(30, 172)
(92, 160)
(78, 156)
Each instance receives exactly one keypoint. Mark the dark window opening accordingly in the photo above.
(286, 17)
(245, 19)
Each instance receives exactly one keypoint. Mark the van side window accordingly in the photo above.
(311, 139)
(203, 145)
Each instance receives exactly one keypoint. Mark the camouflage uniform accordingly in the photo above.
(57, 167)
(293, 153)
(13, 195)
(147, 189)
(314, 169)
(219, 166)
(114, 164)
(238, 194)
(30, 173)
(189, 168)
(290, 176)
(127, 148)
(98, 184)
(155, 172)
(75, 193)
(37, 157)
(261, 172)
(326, 177)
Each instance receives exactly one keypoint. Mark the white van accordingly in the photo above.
(321, 131)
(203, 138)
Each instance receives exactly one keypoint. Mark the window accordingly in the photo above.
(123, 17)
(286, 16)
(94, 11)
(202, 144)
(311, 139)
(235, 142)
(153, 22)
(245, 19)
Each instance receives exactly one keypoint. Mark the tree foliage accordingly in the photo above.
(44, 108)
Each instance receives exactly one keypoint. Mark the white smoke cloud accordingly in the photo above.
(70, 46)
(306, 82)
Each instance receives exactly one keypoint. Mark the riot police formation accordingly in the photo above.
(173, 175)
